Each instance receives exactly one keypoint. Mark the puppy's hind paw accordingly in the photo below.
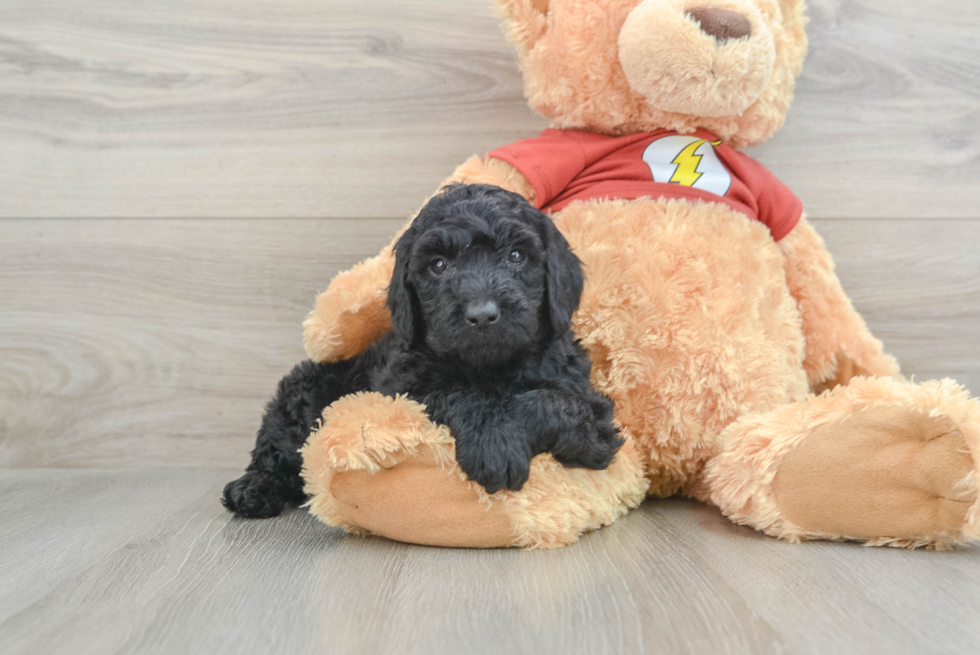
(255, 495)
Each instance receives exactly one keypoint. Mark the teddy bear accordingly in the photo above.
(742, 375)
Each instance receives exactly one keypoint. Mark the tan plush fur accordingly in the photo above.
(391, 444)
(834, 332)
(686, 71)
(709, 336)
(743, 477)
(573, 73)
(685, 332)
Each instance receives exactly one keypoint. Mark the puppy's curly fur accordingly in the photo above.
(481, 300)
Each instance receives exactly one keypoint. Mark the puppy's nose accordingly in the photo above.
(482, 314)
(723, 24)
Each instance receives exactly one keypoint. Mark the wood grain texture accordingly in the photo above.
(143, 343)
(247, 108)
(358, 108)
(148, 562)
(157, 342)
(917, 283)
(882, 124)
(152, 344)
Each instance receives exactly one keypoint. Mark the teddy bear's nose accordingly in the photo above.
(723, 24)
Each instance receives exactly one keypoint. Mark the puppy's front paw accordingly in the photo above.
(494, 465)
(595, 456)
(593, 446)
(255, 495)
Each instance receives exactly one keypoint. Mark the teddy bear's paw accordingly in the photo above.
(880, 460)
(415, 497)
(892, 474)
(371, 431)
(416, 501)
(364, 437)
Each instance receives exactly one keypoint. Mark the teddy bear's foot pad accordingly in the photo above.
(419, 502)
(891, 474)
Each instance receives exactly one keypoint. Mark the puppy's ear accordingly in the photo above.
(401, 295)
(565, 279)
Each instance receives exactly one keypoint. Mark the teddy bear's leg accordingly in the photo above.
(880, 460)
(351, 314)
(839, 345)
(380, 466)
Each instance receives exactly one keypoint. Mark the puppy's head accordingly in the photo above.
(482, 275)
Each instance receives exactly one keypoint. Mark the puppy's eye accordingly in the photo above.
(438, 266)
(515, 257)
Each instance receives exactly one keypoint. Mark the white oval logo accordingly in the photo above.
(688, 161)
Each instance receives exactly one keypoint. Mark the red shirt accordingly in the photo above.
(568, 165)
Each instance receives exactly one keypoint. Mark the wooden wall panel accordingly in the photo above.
(358, 108)
(155, 343)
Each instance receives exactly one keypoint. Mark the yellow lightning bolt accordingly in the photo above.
(687, 165)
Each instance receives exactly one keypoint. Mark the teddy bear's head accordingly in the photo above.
(624, 66)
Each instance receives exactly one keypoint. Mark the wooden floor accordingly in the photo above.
(146, 562)
(177, 181)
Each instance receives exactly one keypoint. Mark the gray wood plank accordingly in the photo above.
(221, 108)
(148, 562)
(58, 525)
(881, 126)
(904, 601)
(155, 343)
(247, 109)
(917, 283)
(126, 344)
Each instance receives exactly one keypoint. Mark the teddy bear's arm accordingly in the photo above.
(839, 345)
(351, 314)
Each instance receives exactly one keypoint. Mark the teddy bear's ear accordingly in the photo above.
(526, 20)
(795, 20)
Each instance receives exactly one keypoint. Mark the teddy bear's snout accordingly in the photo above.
(722, 24)
(696, 58)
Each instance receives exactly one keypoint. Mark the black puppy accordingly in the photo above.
(481, 299)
